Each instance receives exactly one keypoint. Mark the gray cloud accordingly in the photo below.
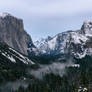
(48, 7)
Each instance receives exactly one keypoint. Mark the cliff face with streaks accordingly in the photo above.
(12, 32)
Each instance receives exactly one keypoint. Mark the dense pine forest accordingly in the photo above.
(76, 79)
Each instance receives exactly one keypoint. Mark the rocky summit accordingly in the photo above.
(12, 32)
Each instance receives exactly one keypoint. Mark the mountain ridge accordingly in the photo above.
(70, 42)
(13, 56)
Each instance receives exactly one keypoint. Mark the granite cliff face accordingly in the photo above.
(12, 32)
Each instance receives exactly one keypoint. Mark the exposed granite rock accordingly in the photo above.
(12, 32)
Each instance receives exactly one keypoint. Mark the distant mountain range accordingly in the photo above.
(74, 43)
(77, 43)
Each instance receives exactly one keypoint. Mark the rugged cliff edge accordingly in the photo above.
(12, 32)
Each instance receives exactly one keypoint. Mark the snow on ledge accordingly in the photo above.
(4, 15)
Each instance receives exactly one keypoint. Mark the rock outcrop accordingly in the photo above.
(12, 32)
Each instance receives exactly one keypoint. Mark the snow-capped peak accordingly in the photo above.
(88, 22)
(73, 42)
(87, 28)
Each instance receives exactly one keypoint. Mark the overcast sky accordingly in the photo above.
(49, 17)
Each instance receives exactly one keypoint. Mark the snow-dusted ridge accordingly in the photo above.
(71, 42)
(13, 56)
(22, 58)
